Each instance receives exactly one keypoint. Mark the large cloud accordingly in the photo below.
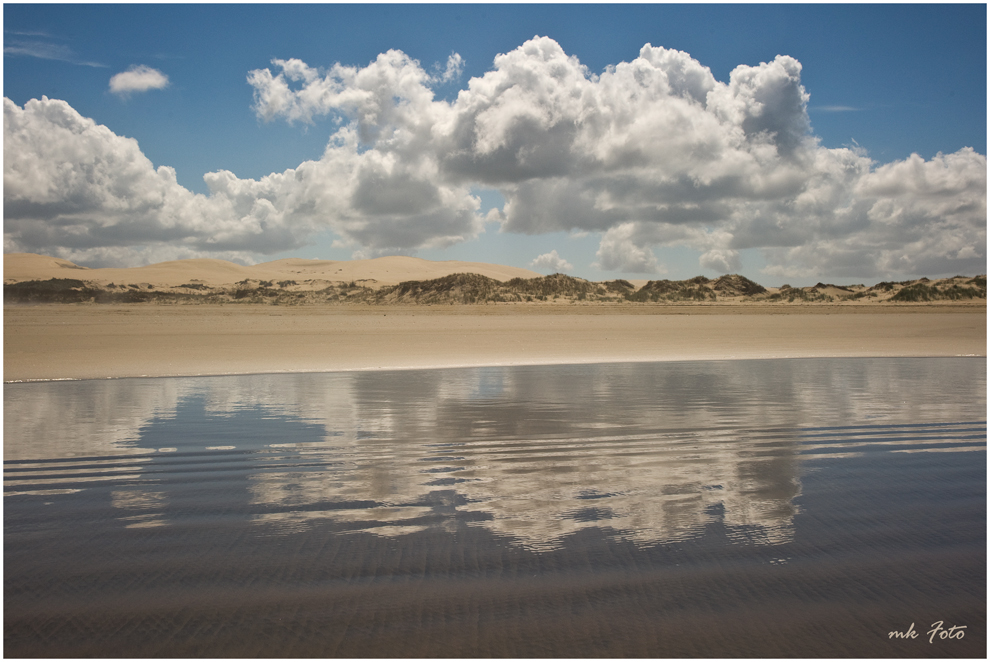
(74, 189)
(652, 152)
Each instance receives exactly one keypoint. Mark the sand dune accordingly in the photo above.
(18, 267)
(393, 280)
(415, 326)
(29, 266)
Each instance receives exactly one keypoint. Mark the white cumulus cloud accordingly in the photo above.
(74, 189)
(551, 262)
(619, 250)
(139, 78)
(653, 152)
(721, 260)
(453, 70)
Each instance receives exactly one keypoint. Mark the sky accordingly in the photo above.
(789, 143)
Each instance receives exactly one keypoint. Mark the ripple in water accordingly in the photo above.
(768, 508)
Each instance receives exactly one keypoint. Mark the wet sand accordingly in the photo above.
(89, 341)
(723, 509)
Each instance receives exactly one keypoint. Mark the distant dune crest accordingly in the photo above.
(390, 270)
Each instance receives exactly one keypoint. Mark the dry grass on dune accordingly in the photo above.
(400, 280)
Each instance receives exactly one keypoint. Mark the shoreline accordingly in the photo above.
(86, 341)
(474, 365)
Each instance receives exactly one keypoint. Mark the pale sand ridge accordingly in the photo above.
(390, 270)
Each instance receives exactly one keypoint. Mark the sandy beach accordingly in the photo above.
(87, 341)
(111, 340)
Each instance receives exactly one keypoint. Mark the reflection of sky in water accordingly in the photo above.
(650, 453)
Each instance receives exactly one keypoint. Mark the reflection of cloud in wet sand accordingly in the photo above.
(85, 418)
(538, 496)
(649, 453)
(504, 444)
(145, 507)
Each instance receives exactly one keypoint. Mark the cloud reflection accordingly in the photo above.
(649, 453)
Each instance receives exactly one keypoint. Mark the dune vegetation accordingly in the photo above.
(470, 288)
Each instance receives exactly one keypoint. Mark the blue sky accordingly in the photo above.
(845, 202)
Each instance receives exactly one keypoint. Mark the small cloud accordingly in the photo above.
(722, 260)
(45, 51)
(551, 262)
(967, 253)
(138, 78)
(835, 109)
(29, 33)
(856, 148)
(494, 215)
(455, 66)
(618, 251)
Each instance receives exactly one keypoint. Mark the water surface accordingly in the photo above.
(740, 508)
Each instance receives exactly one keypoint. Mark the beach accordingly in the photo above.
(95, 341)
(582, 471)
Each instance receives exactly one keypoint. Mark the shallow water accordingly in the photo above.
(739, 508)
